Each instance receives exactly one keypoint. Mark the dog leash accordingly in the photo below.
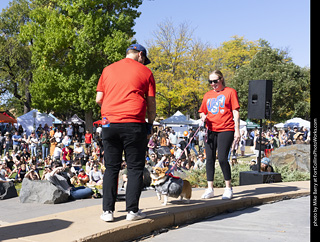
(175, 164)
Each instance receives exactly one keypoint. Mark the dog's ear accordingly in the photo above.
(157, 169)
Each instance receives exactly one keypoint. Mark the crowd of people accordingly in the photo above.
(46, 148)
(82, 153)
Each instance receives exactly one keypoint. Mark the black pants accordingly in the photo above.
(222, 141)
(132, 139)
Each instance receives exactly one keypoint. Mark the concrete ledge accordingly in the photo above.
(85, 225)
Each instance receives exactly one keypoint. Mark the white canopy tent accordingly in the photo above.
(33, 118)
(179, 123)
(179, 119)
(297, 122)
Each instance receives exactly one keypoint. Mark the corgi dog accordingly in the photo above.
(169, 186)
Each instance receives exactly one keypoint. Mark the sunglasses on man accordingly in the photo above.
(214, 81)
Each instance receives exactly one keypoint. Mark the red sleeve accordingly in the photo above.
(100, 83)
(203, 108)
(234, 101)
(152, 87)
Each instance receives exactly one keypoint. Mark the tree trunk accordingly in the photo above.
(89, 120)
(27, 102)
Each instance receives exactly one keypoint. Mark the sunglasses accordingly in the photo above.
(214, 81)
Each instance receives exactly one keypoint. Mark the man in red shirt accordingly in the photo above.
(126, 93)
(88, 140)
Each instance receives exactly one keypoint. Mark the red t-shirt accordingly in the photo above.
(219, 106)
(88, 138)
(82, 176)
(65, 153)
(125, 85)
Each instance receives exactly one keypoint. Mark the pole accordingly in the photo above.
(260, 138)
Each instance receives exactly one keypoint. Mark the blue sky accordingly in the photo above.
(283, 23)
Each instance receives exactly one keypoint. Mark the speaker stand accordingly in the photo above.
(258, 177)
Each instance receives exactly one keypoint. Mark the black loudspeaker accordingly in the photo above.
(254, 177)
(260, 99)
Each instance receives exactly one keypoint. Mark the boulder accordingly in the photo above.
(7, 190)
(297, 156)
(41, 192)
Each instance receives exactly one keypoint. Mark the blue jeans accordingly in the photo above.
(192, 147)
(45, 152)
(33, 150)
(80, 192)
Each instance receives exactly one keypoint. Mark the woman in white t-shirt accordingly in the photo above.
(95, 176)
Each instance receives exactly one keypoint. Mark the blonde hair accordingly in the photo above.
(220, 75)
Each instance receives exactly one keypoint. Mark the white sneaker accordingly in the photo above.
(208, 193)
(131, 216)
(228, 193)
(107, 216)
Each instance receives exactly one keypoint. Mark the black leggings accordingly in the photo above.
(222, 141)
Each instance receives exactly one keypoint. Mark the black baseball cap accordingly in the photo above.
(140, 48)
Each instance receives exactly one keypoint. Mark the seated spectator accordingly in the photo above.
(66, 141)
(95, 176)
(200, 163)
(253, 165)
(83, 177)
(33, 174)
(265, 165)
(89, 165)
(79, 151)
(9, 160)
(21, 173)
(152, 144)
(25, 154)
(61, 179)
(75, 181)
(67, 153)
(3, 173)
(153, 159)
(234, 160)
(47, 169)
(299, 138)
(76, 164)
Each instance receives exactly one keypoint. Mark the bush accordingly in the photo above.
(288, 174)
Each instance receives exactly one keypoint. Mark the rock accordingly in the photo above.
(41, 192)
(7, 190)
(297, 156)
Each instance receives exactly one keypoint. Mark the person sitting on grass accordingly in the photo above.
(83, 177)
(265, 165)
(33, 174)
(60, 177)
(3, 173)
(21, 173)
(95, 176)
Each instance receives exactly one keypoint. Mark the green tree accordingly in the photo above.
(15, 57)
(180, 66)
(233, 54)
(291, 84)
(71, 42)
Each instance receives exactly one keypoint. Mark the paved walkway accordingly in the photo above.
(287, 220)
(84, 224)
